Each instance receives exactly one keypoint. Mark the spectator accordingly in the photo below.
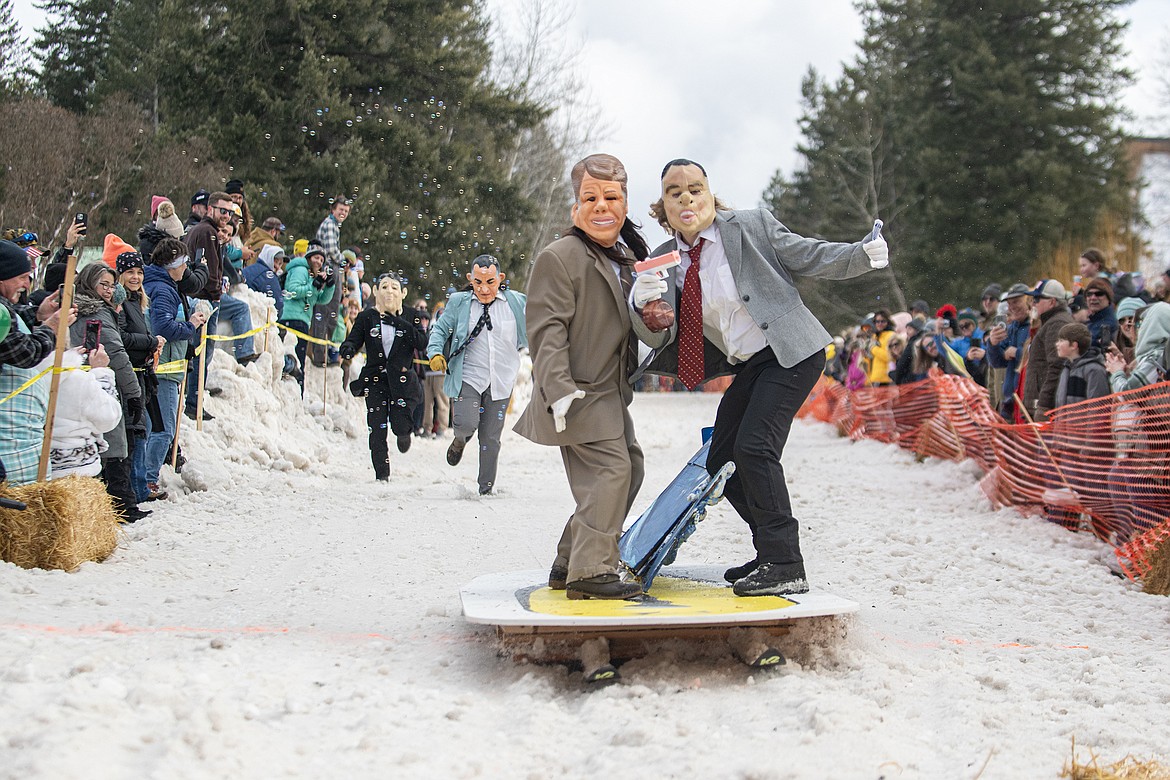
(880, 358)
(168, 319)
(164, 223)
(904, 368)
(142, 346)
(1044, 365)
(1006, 346)
(1102, 316)
(94, 295)
(919, 310)
(1152, 334)
(306, 282)
(87, 407)
(1126, 326)
(969, 346)
(325, 312)
(235, 191)
(263, 275)
(22, 418)
(1092, 266)
(200, 205)
(1083, 376)
(268, 234)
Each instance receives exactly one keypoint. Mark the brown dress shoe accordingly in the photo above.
(603, 586)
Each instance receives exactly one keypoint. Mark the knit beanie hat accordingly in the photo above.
(114, 246)
(167, 220)
(1129, 307)
(13, 261)
(119, 296)
(154, 201)
(128, 260)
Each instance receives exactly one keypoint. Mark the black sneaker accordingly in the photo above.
(603, 586)
(192, 414)
(404, 443)
(557, 576)
(455, 451)
(736, 573)
(773, 579)
(214, 392)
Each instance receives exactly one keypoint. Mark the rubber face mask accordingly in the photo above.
(389, 295)
(687, 199)
(600, 210)
(485, 283)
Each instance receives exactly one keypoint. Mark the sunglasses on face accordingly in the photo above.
(1095, 294)
(223, 210)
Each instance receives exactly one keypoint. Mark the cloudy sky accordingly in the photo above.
(673, 78)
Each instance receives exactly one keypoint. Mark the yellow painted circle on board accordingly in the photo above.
(669, 596)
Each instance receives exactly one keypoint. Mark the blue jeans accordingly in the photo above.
(199, 361)
(237, 313)
(158, 443)
(138, 469)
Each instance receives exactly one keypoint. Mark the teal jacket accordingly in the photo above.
(300, 296)
(452, 324)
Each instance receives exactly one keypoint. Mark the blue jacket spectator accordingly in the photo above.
(261, 275)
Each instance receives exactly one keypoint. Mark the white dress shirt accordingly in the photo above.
(726, 323)
(493, 358)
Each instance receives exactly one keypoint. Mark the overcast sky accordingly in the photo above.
(674, 78)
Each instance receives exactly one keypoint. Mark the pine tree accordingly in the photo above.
(72, 50)
(1002, 128)
(13, 55)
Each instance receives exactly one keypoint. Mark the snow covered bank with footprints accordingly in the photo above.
(284, 615)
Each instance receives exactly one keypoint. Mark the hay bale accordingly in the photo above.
(68, 521)
(1128, 768)
(1157, 579)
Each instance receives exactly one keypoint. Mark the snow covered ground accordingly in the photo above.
(283, 615)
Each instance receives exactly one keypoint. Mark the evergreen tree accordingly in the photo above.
(72, 50)
(13, 56)
(1001, 131)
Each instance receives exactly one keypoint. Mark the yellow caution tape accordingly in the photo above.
(307, 337)
(38, 377)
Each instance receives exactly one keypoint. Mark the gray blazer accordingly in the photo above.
(764, 256)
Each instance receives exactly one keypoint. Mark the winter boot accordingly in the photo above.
(736, 573)
(773, 579)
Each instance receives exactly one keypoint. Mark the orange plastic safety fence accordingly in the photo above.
(1101, 466)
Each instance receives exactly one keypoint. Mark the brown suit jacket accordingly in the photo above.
(578, 329)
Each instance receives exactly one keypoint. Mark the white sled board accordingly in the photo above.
(682, 596)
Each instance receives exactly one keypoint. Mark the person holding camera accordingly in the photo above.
(97, 322)
(390, 335)
(307, 282)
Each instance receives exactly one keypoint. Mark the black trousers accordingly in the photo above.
(384, 411)
(751, 429)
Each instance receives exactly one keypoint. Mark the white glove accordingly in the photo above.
(878, 251)
(561, 408)
(647, 287)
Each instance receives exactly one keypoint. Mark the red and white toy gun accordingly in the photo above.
(658, 315)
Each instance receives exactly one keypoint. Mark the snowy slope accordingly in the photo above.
(283, 615)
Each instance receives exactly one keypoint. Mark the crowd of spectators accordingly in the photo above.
(1034, 347)
(135, 319)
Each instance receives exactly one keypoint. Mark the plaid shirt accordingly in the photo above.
(25, 350)
(22, 417)
(329, 234)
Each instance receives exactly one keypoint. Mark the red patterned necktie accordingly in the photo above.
(690, 323)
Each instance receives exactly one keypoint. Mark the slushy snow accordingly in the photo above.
(284, 615)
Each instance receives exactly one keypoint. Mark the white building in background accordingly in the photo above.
(1151, 156)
